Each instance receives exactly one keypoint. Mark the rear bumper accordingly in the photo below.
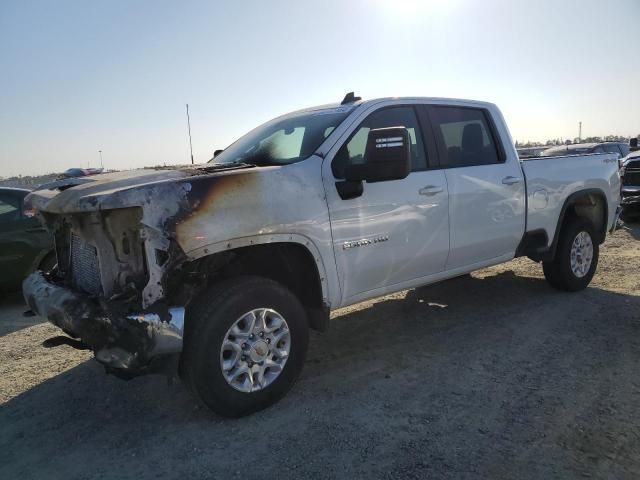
(121, 340)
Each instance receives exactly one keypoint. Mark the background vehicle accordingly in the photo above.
(25, 245)
(527, 152)
(630, 174)
(81, 172)
(619, 148)
(228, 265)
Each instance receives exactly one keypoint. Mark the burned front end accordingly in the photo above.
(108, 289)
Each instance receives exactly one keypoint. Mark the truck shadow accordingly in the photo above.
(453, 346)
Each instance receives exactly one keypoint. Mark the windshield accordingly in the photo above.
(284, 140)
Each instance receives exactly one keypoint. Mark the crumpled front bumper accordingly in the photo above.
(122, 341)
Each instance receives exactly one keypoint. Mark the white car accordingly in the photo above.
(221, 269)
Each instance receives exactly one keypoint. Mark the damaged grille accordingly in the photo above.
(85, 272)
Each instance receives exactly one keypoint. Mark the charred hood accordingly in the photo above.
(155, 188)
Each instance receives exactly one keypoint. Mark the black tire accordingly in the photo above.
(208, 320)
(558, 271)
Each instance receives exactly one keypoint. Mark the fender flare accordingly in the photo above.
(231, 244)
(570, 201)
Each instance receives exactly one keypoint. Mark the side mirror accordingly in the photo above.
(387, 156)
(217, 152)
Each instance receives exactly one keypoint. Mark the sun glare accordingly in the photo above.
(412, 9)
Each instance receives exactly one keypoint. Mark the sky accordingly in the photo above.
(77, 77)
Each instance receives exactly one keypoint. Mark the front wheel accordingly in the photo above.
(246, 345)
(576, 257)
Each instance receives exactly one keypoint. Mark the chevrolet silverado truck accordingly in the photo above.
(630, 175)
(217, 272)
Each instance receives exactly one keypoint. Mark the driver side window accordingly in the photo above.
(352, 152)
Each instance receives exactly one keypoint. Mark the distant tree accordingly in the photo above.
(561, 141)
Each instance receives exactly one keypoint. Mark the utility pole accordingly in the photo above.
(579, 131)
(100, 152)
(189, 128)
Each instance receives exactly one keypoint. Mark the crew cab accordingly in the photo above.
(220, 270)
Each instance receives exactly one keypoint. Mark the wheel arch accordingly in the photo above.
(292, 260)
(588, 203)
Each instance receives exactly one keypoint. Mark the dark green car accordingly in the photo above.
(25, 246)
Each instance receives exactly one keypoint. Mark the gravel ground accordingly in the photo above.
(495, 375)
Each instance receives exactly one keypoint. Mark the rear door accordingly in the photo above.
(396, 231)
(486, 186)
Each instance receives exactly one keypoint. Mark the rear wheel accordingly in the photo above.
(246, 345)
(576, 257)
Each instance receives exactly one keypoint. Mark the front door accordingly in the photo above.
(396, 231)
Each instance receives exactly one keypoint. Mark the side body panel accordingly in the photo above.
(395, 232)
(487, 216)
(487, 203)
(550, 181)
(391, 234)
(261, 205)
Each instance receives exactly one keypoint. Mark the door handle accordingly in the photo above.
(430, 190)
(511, 180)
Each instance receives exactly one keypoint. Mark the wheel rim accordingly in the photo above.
(581, 254)
(255, 350)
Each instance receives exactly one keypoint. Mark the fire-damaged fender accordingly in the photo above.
(244, 208)
(252, 240)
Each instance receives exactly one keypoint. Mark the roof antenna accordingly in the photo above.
(350, 98)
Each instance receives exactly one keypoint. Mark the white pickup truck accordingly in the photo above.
(220, 270)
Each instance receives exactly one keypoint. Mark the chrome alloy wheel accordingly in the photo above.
(581, 254)
(255, 350)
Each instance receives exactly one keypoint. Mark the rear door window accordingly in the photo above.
(464, 136)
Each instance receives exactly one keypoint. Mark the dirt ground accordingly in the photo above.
(490, 376)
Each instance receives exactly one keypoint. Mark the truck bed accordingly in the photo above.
(552, 180)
